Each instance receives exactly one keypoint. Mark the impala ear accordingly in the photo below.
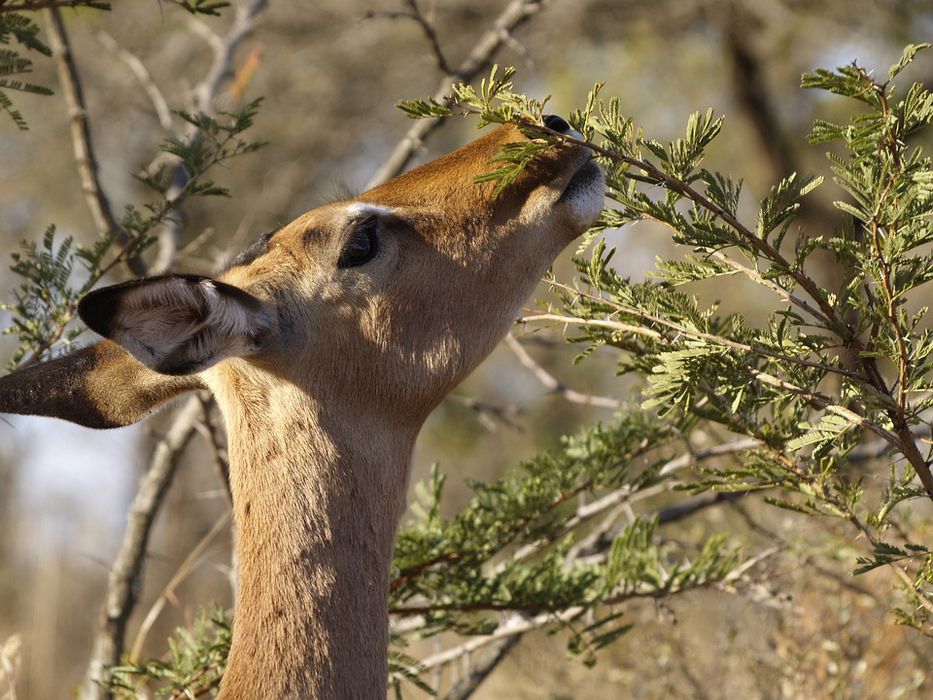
(178, 324)
(100, 386)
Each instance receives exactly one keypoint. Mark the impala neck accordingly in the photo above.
(317, 495)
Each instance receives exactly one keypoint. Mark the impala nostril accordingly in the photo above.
(552, 121)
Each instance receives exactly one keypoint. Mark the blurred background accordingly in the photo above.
(331, 72)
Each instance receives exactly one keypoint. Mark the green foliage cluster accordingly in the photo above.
(512, 547)
(45, 303)
(831, 372)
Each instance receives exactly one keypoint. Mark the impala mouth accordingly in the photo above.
(583, 179)
(583, 196)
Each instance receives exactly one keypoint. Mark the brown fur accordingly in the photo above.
(322, 419)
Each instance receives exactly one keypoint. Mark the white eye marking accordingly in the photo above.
(359, 209)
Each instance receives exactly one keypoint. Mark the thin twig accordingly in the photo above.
(758, 278)
(479, 672)
(168, 591)
(430, 32)
(514, 15)
(142, 74)
(553, 384)
(489, 415)
(764, 377)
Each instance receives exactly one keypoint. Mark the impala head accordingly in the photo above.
(392, 296)
(352, 321)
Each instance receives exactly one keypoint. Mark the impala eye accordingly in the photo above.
(363, 244)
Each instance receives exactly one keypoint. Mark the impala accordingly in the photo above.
(326, 344)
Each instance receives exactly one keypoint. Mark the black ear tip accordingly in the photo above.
(97, 310)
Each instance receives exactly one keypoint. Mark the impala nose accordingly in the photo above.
(552, 121)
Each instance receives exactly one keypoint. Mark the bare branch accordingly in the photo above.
(554, 385)
(215, 441)
(224, 49)
(142, 74)
(184, 570)
(82, 143)
(427, 27)
(51, 4)
(514, 15)
(122, 583)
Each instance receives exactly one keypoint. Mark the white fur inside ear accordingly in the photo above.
(229, 318)
(182, 325)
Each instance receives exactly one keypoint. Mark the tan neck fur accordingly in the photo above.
(316, 508)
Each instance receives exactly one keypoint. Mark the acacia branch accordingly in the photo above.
(518, 624)
(584, 513)
(513, 16)
(827, 313)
